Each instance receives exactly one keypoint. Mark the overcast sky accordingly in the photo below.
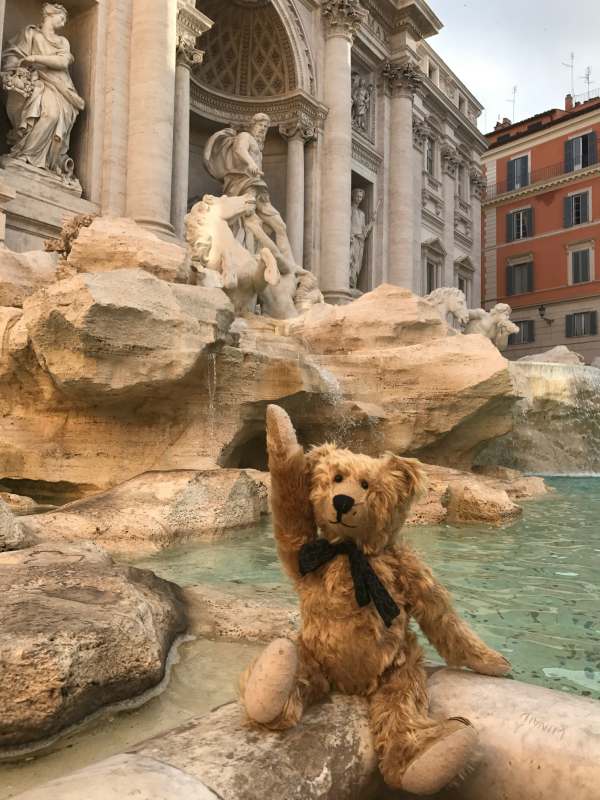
(493, 45)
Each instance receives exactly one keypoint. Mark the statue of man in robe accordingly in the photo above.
(360, 231)
(236, 159)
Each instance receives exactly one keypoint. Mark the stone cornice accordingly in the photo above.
(343, 17)
(191, 24)
(441, 105)
(543, 186)
(294, 108)
(367, 156)
(402, 80)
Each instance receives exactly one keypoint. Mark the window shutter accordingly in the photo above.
(585, 198)
(593, 323)
(592, 148)
(524, 165)
(511, 174)
(569, 159)
(570, 325)
(530, 277)
(509, 227)
(584, 265)
(530, 222)
(509, 281)
(568, 212)
(531, 331)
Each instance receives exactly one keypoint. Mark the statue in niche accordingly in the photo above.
(361, 102)
(360, 231)
(494, 324)
(42, 103)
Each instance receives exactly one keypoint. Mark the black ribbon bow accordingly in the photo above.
(367, 585)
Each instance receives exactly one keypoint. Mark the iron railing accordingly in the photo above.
(533, 177)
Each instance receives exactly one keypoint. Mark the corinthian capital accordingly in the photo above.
(191, 24)
(343, 17)
(298, 129)
(421, 131)
(402, 80)
(450, 159)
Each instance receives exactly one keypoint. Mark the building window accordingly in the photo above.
(518, 173)
(577, 209)
(519, 278)
(580, 265)
(430, 155)
(519, 224)
(580, 152)
(584, 323)
(461, 182)
(433, 276)
(526, 334)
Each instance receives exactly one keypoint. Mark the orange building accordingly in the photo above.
(541, 228)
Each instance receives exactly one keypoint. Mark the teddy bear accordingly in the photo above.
(337, 515)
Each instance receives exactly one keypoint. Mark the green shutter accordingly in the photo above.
(569, 325)
(593, 323)
(510, 175)
(569, 156)
(530, 222)
(524, 167)
(509, 281)
(531, 331)
(584, 265)
(585, 197)
(592, 148)
(509, 227)
(568, 212)
(530, 277)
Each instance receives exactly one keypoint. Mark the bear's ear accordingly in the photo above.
(408, 476)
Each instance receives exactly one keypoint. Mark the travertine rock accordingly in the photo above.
(471, 501)
(156, 510)
(111, 243)
(12, 536)
(77, 632)
(556, 355)
(22, 274)
(122, 333)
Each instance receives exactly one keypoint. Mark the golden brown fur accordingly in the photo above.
(343, 647)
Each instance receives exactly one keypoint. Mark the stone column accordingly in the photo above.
(478, 184)
(297, 135)
(342, 19)
(421, 131)
(151, 113)
(7, 194)
(403, 81)
(2, 13)
(450, 162)
(190, 25)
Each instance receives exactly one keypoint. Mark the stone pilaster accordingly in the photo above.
(402, 81)
(190, 25)
(342, 19)
(478, 184)
(2, 13)
(152, 113)
(7, 194)
(450, 162)
(297, 135)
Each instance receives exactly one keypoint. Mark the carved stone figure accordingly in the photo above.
(359, 233)
(308, 293)
(494, 324)
(361, 101)
(449, 300)
(235, 159)
(42, 103)
(213, 246)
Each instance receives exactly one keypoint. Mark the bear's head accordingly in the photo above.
(362, 498)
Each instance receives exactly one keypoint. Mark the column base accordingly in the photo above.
(339, 297)
(162, 229)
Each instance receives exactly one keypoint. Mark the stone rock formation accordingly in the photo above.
(556, 355)
(77, 633)
(12, 536)
(467, 501)
(23, 274)
(111, 243)
(157, 510)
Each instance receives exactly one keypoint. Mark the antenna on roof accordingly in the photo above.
(571, 66)
(587, 77)
(513, 100)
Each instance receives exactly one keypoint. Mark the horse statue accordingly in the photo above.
(494, 324)
(449, 300)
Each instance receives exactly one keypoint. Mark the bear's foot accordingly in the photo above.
(271, 681)
(443, 761)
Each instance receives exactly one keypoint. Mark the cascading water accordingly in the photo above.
(557, 421)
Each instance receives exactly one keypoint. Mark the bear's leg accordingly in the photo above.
(280, 684)
(417, 753)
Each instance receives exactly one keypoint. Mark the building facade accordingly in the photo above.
(357, 99)
(541, 220)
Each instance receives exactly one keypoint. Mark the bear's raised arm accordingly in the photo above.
(293, 518)
(430, 605)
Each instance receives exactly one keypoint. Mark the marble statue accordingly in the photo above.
(235, 159)
(243, 275)
(42, 103)
(494, 324)
(361, 102)
(359, 233)
(308, 293)
(450, 300)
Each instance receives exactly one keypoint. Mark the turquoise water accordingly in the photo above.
(530, 589)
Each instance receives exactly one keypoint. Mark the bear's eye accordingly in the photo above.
(364, 484)
(338, 478)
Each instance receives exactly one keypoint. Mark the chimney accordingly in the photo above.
(569, 102)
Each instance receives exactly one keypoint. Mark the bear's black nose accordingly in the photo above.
(342, 503)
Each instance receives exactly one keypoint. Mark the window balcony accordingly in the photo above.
(534, 178)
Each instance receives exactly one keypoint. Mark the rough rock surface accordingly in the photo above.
(469, 501)
(530, 737)
(77, 633)
(111, 243)
(122, 333)
(18, 504)
(556, 355)
(12, 536)
(22, 274)
(157, 510)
